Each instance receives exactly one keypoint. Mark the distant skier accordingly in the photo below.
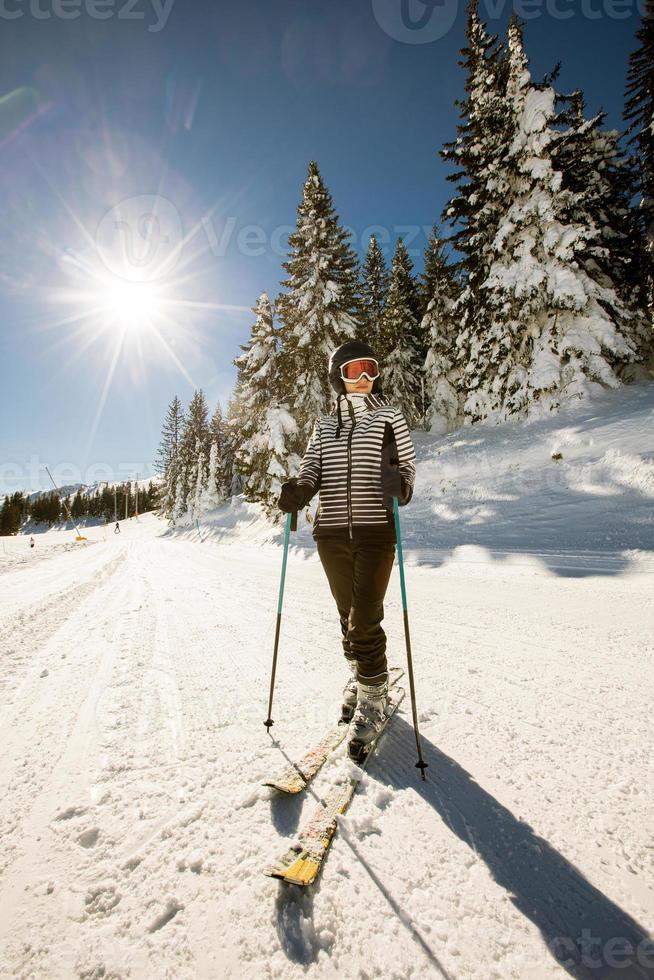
(32, 542)
(117, 528)
(359, 457)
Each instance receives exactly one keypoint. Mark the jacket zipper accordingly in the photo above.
(349, 478)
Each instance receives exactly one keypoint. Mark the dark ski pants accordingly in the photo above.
(358, 577)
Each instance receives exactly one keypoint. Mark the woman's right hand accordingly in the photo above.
(292, 497)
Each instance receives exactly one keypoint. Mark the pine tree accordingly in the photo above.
(168, 460)
(602, 185)
(541, 321)
(319, 310)
(639, 113)
(399, 347)
(437, 272)
(198, 496)
(258, 408)
(224, 461)
(442, 375)
(11, 514)
(53, 509)
(279, 430)
(479, 151)
(46, 507)
(374, 290)
(195, 446)
(475, 211)
(78, 508)
(234, 426)
(555, 330)
(213, 494)
(179, 510)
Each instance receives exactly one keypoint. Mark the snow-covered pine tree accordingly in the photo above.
(374, 290)
(602, 183)
(168, 462)
(198, 496)
(279, 431)
(475, 211)
(234, 425)
(319, 310)
(213, 495)
(223, 468)
(555, 329)
(639, 114)
(538, 326)
(257, 385)
(442, 375)
(179, 509)
(435, 268)
(402, 377)
(195, 444)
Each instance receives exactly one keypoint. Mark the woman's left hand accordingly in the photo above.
(392, 484)
(293, 496)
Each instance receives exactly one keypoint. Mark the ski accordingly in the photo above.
(297, 776)
(302, 862)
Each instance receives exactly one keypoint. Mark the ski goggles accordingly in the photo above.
(355, 370)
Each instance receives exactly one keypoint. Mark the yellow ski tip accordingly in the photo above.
(303, 871)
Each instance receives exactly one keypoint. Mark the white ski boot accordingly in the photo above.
(369, 718)
(350, 694)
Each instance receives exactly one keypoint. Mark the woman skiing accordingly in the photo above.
(358, 458)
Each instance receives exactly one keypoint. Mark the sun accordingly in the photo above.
(122, 300)
(134, 305)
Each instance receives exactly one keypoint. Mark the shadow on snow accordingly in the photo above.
(583, 930)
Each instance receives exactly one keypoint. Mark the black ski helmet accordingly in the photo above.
(349, 351)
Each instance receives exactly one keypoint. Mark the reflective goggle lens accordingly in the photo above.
(353, 370)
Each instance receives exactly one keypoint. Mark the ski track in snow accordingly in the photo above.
(134, 678)
(135, 830)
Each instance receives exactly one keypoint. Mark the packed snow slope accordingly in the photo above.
(134, 675)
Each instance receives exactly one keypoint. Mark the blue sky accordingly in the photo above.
(213, 109)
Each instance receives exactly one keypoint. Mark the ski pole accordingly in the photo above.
(420, 764)
(291, 525)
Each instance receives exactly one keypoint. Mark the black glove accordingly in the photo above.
(393, 483)
(293, 496)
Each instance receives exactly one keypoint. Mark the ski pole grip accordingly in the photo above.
(294, 521)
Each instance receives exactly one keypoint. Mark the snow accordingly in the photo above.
(133, 681)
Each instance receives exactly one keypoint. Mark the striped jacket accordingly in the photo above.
(343, 463)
